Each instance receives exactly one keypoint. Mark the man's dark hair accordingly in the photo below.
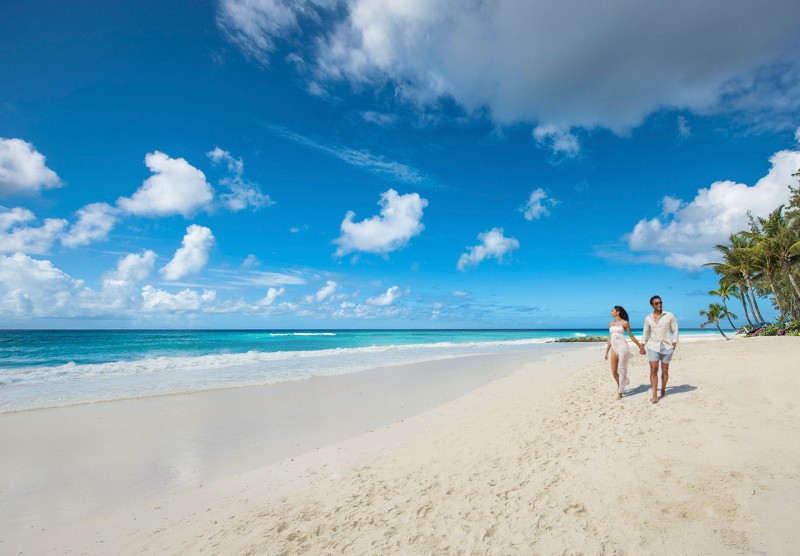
(654, 298)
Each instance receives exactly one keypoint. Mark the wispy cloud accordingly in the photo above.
(396, 171)
(537, 205)
(561, 142)
(253, 278)
(242, 193)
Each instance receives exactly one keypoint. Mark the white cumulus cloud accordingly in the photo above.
(323, 293)
(95, 221)
(537, 205)
(154, 299)
(192, 256)
(686, 232)
(34, 288)
(23, 169)
(16, 236)
(399, 220)
(493, 244)
(387, 298)
(176, 187)
(272, 295)
(133, 268)
(121, 294)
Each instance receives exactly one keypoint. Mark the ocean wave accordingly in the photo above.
(276, 363)
(280, 334)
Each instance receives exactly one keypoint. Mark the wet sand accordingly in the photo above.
(532, 456)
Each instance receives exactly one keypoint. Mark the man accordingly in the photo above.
(660, 338)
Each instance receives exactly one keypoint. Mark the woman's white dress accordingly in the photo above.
(620, 347)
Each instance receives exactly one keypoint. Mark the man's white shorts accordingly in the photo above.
(654, 356)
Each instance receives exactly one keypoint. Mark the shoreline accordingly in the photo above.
(181, 441)
(539, 458)
(99, 387)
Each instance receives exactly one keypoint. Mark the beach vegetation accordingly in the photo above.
(780, 328)
(762, 263)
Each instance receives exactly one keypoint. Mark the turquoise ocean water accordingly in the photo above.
(48, 368)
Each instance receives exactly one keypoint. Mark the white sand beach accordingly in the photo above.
(484, 455)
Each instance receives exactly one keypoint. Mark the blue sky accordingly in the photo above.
(375, 163)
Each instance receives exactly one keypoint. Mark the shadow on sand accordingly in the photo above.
(671, 390)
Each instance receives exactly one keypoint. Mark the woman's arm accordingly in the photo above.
(626, 325)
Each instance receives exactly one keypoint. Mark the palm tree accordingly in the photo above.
(713, 314)
(726, 291)
(739, 268)
(747, 264)
(793, 212)
(732, 277)
(779, 242)
(769, 267)
(731, 273)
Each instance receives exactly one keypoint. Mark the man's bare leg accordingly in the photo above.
(664, 378)
(654, 380)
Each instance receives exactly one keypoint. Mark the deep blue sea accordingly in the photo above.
(47, 368)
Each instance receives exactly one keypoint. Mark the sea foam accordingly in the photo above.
(70, 383)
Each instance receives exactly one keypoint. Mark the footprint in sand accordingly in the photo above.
(575, 509)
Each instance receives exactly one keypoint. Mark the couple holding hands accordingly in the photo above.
(659, 341)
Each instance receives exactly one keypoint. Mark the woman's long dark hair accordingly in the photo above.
(623, 314)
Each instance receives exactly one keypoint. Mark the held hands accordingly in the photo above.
(641, 350)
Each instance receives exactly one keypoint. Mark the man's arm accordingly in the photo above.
(645, 333)
(673, 325)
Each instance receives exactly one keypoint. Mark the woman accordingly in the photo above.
(620, 353)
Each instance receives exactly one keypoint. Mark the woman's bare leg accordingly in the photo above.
(614, 368)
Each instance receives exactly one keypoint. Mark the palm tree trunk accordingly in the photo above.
(744, 305)
(720, 330)
(785, 264)
(727, 315)
(754, 305)
(749, 295)
(756, 308)
(788, 269)
(775, 293)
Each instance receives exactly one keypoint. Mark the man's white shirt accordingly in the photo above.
(657, 334)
